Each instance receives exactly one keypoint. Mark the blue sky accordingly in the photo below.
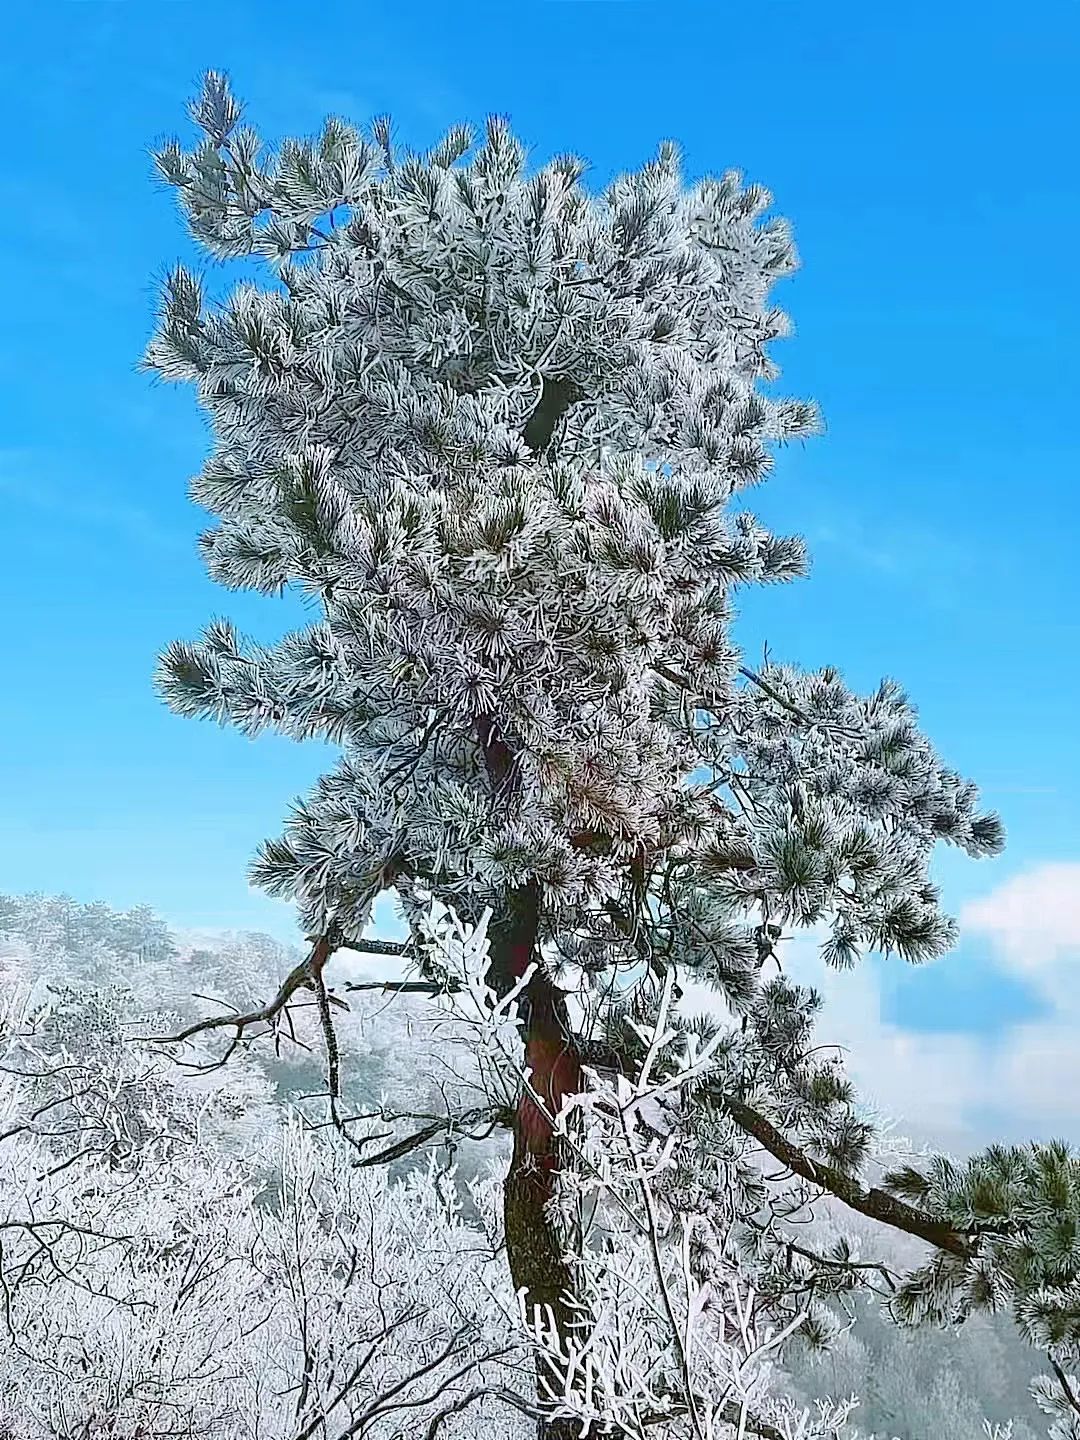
(926, 156)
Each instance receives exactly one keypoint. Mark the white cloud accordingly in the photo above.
(1024, 1080)
(1033, 923)
(960, 1090)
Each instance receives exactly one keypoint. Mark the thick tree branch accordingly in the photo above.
(671, 676)
(556, 397)
(875, 1204)
(378, 947)
(407, 987)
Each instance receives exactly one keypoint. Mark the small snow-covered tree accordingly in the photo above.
(499, 430)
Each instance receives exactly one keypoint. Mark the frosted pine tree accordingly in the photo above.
(499, 430)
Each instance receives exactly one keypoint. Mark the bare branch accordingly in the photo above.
(302, 976)
(508, 1397)
(428, 1132)
(407, 987)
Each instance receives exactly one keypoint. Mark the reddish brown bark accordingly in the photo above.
(554, 1073)
(535, 1249)
(538, 1266)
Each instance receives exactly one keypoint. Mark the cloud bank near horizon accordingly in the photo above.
(954, 1088)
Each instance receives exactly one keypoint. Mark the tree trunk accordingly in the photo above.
(535, 1249)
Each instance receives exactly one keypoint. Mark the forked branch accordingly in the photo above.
(305, 976)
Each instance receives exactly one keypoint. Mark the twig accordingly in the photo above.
(790, 706)
(517, 1402)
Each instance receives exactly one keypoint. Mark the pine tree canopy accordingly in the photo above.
(501, 429)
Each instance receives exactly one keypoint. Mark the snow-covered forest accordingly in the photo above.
(586, 1164)
(235, 1293)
